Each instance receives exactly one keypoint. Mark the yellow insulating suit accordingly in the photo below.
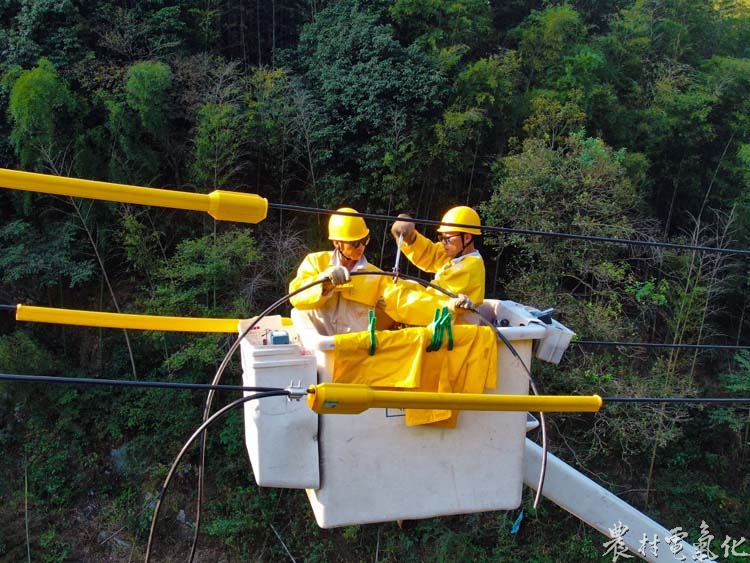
(346, 308)
(463, 274)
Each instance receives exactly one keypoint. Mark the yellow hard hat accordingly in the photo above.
(347, 227)
(464, 216)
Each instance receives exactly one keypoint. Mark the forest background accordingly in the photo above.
(609, 118)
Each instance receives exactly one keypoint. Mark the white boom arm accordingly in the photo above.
(598, 507)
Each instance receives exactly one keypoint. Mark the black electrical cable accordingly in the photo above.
(209, 400)
(660, 345)
(207, 387)
(232, 350)
(129, 383)
(198, 432)
(532, 232)
(688, 400)
(542, 419)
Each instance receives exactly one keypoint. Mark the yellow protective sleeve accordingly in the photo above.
(222, 205)
(122, 320)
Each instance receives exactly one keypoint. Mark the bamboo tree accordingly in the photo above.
(105, 276)
(702, 283)
(40, 103)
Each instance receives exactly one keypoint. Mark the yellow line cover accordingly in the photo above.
(121, 320)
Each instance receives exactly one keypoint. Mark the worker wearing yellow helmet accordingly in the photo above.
(454, 259)
(342, 302)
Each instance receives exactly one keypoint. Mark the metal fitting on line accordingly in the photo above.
(296, 392)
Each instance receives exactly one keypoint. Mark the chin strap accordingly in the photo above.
(338, 249)
(463, 245)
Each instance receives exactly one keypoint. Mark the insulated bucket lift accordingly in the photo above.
(373, 467)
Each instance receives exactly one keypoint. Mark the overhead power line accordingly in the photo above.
(531, 232)
(251, 208)
(683, 400)
(276, 390)
(128, 383)
(659, 345)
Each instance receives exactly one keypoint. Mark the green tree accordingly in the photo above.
(218, 145)
(663, 61)
(474, 128)
(287, 133)
(728, 78)
(221, 129)
(545, 37)
(42, 113)
(34, 260)
(271, 131)
(372, 90)
(205, 276)
(674, 127)
(734, 33)
(447, 30)
(147, 94)
(697, 282)
(46, 28)
(39, 106)
(140, 121)
(677, 30)
(138, 32)
(728, 184)
(560, 180)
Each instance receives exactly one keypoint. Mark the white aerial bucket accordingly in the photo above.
(281, 435)
(372, 466)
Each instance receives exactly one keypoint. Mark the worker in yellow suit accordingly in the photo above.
(454, 259)
(342, 302)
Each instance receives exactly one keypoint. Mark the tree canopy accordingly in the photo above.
(609, 121)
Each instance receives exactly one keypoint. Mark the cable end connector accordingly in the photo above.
(296, 391)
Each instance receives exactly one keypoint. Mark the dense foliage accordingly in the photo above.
(627, 119)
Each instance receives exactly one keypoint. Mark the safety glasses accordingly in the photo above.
(446, 238)
(360, 242)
